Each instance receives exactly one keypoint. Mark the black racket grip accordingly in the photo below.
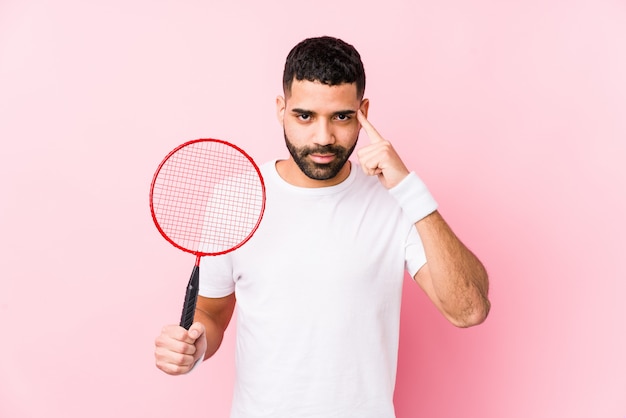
(191, 297)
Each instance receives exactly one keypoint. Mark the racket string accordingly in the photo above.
(207, 197)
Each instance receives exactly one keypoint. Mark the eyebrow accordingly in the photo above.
(310, 112)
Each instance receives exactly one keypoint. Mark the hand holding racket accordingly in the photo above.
(207, 198)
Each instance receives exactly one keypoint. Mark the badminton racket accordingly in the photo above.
(207, 198)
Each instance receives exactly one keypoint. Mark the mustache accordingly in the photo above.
(321, 149)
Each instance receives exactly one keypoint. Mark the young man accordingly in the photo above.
(318, 287)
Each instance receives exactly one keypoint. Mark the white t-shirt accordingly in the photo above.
(318, 292)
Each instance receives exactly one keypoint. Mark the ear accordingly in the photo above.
(280, 109)
(365, 105)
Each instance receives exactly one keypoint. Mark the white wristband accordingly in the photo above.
(414, 198)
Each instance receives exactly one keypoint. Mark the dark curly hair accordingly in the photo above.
(328, 60)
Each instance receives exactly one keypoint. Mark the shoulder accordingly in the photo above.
(268, 167)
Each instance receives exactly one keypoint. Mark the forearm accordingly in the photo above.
(454, 278)
(214, 333)
(215, 314)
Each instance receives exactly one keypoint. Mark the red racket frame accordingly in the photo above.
(156, 174)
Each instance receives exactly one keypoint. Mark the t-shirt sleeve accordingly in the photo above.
(216, 276)
(415, 257)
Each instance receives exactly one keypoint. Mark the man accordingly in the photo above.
(318, 287)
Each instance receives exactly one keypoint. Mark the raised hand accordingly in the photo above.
(379, 158)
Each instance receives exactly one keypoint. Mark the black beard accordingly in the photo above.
(314, 170)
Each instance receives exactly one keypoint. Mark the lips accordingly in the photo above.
(322, 158)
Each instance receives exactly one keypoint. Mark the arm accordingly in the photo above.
(215, 315)
(177, 350)
(453, 278)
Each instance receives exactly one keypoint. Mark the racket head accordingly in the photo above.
(207, 197)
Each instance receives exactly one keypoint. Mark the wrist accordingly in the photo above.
(414, 198)
(196, 363)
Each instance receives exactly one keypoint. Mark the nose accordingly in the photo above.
(324, 134)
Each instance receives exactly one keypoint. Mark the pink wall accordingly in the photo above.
(514, 113)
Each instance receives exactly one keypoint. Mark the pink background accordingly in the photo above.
(513, 112)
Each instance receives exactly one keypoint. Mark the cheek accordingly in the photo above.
(349, 134)
(295, 133)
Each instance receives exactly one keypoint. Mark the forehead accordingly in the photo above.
(315, 96)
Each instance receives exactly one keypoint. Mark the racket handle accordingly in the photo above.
(191, 297)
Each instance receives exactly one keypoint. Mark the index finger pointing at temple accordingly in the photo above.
(371, 132)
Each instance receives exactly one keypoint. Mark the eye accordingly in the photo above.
(342, 117)
(303, 116)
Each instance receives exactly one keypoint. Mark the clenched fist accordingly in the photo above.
(177, 350)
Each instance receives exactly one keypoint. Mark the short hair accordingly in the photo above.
(328, 60)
